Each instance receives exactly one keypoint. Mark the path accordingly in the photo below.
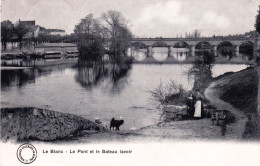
(234, 130)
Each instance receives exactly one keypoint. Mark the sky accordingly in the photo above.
(146, 18)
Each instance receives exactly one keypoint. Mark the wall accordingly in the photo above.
(41, 124)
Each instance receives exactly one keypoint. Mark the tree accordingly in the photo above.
(20, 31)
(257, 27)
(85, 26)
(201, 69)
(257, 22)
(6, 32)
(108, 34)
(120, 36)
(195, 34)
(90, 41)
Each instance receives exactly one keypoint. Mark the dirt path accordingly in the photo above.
(235, 130)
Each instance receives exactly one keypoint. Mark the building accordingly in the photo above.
(60, 32)
(32, 28)
(35, 30)
(28, 24)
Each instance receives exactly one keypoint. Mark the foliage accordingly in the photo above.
(171, 93)
(118, 33)
(90, 43)
(20, 31)
(91, 51)
(6, 32)
(257, 22)
(108, 34)
(201, 69)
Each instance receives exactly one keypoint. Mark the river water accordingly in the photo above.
(63, 89)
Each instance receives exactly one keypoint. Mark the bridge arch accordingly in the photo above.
(225, 49)
(203, 45)
(138, 45)
(181, 44)
(160, 44)
(180, 50)
(138, 51)
(246, 42)
(246, 50)
(225, 43)
(160, 51)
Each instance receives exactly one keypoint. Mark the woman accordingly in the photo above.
(190, 106)
(198, 105)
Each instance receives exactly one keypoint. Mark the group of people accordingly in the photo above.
(195, 105)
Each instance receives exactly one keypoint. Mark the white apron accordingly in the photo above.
(197, 112)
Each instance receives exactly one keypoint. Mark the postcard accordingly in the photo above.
(138, 82)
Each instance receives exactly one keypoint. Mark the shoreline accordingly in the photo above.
(235, 92)
(178, 130)
(238, 128)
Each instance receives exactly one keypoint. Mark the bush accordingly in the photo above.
(172, 93)
(201, 70)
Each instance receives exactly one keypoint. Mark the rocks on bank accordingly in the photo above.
(42, 124)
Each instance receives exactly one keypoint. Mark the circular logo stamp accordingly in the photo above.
(26, 153)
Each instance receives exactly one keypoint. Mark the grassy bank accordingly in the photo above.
(240, 90)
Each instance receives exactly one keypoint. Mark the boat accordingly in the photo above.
(57, 50)
(52, 55)
(72, 54)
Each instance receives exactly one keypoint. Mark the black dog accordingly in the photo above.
(115, 123)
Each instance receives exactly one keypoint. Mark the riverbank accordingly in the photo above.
(186, 130)
(237, 92)
(29, 123)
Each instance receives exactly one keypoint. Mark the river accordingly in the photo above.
(60, 89)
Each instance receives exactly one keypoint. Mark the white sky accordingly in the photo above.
(148, 18)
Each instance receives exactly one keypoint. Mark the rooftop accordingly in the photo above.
(55, 30)
(28, 23)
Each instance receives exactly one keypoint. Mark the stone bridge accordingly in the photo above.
(191, 43)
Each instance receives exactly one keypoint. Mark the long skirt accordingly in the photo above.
(197, 112)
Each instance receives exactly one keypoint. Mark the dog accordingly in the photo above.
(115, 124)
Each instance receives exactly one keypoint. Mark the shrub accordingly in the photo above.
(172, 93)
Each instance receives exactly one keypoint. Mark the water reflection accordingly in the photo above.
(21, 77)
(17, 77)
(114, 75)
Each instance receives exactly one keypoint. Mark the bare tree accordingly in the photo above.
(115, 25)
(90, 39)
(257, 22)
(195, 34)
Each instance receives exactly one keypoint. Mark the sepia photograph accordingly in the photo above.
(114, 82)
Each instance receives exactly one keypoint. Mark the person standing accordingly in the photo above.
(190, 106)
(198, 105)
